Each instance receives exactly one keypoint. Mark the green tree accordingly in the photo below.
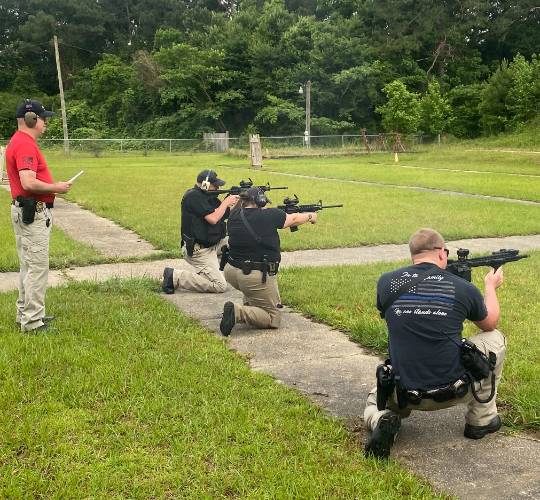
(520, 100)
(464, 101)
(401, 112)
(494, 114)
(434, 110)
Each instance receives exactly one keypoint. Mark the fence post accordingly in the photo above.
(121, 146)
(170, 145)
(255, 150)
(3, 176)
(342, 142)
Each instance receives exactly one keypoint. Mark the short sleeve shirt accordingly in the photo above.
(196, 205)
(265, 222)
(425, 324)
(23, 153)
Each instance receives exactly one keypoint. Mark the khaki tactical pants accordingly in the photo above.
(261, 300)
(33, 250)
(478, 414)
(207, 276)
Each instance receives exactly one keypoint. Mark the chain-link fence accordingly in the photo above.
(272, 146)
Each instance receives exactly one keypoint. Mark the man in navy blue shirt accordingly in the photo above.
(425, 323)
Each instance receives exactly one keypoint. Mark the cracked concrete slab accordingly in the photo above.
(337, 374)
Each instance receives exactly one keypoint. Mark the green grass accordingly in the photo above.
(344, 297)
(446, 168)
(133, 400)
(64, 251)
(527, 136)
(143, 194)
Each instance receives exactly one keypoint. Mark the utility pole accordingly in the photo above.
(62, 101)
(308, 113)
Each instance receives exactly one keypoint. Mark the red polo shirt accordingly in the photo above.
(22, 153)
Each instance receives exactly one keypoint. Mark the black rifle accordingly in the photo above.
(462, 266)
(243, 186)
(291, 206)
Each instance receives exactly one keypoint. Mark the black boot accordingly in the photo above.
(168, 283)
(382, 437)
(228, 320)
(479, 431)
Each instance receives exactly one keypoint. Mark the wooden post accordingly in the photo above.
(365, 140)
(3, 174)
(62, 101)
(308, 113)
(255, 151)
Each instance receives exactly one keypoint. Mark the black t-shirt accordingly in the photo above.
(265, 222)
(196, 205)
(423, 356)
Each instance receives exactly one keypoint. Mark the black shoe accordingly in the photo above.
(479, 431)
(228, 320)
(45, 319)
(45, 328)
(168, 283)
(382, 437)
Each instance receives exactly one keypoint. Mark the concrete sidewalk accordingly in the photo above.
(337, 374)
(300, 258)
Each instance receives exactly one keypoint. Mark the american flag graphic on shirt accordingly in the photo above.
(435, 295)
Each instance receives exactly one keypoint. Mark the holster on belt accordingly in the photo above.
(190, 244)
(28, 206)
(224, 257)
(385, 384)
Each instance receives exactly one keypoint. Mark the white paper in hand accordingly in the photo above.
(75, 176)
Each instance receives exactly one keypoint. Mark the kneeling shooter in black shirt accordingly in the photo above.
(425, 322)
(203, 234)
(254, 260)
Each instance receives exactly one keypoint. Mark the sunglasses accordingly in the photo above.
(446, 251)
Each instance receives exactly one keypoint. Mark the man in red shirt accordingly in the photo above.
(33, 191)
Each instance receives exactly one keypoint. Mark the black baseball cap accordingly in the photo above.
(212, 178)
(31, 106)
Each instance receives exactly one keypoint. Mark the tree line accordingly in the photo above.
(178, 68)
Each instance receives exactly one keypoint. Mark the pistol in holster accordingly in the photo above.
(190, 244)
(385, 384)
(28, 206)
(224, 257)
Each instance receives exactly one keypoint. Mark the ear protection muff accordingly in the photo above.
(260, 198)
(30, 118)
(205, 185)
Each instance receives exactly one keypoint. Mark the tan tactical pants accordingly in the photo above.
(33, 249)
(207, 276)
(478, 414)
(261, 300)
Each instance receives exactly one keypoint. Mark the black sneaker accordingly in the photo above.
(382, 437)
(168, 283)
(228, 320)
(479, 431)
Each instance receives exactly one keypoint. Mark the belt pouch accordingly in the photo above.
(246, 267)
(28, 209)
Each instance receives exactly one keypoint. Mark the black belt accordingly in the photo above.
(247, 266)
(19, 204)
(442, 394)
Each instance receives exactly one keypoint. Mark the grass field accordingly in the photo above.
(143, 194)
(133, 400)
(473, 172)
(64, 251)
(347, 301)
